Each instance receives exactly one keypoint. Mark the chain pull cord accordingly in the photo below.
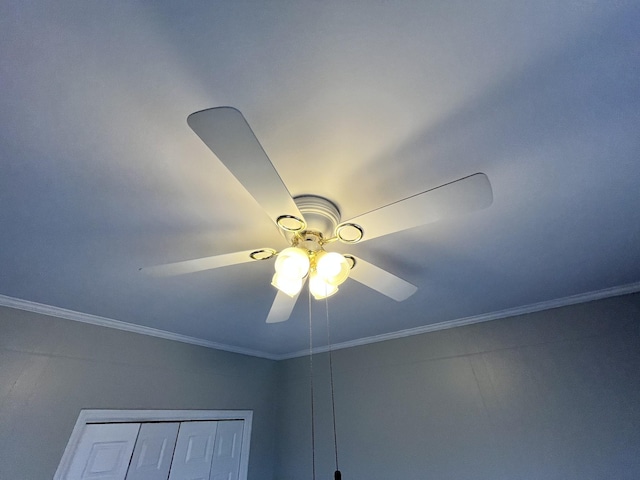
(313, 435)
(337, 474)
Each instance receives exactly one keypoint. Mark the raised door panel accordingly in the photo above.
(228, 448)
(194, 451)
(153, 451)
(103, 452)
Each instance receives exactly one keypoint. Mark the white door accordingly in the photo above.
(153, 451)
(228, 447)
(103, 452)
(194, 451)
(157, 449)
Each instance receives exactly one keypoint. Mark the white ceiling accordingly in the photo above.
(362, 102)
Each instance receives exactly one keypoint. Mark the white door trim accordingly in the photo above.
(141, 416)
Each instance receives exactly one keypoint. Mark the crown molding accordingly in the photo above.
(485, 317)
(58, 312)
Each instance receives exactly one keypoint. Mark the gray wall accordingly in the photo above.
(50, 369)
(550, 395)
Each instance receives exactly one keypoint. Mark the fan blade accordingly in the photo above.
(199, 264)
(226, 132)
(461, 196)
(381, 280)
(281, 308)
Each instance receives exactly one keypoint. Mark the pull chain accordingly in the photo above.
(313, 436)
(337, 475)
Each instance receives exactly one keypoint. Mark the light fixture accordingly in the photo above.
(326, 270)
(332, 267)
(320, 288)
(293, 262)
(292, 266)
(289, 285)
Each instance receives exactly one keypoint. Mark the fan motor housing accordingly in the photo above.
(321, 216)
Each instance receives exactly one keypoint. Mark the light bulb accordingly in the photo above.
(320, 288)
(332, 267)
(292, 262)
(289, 285)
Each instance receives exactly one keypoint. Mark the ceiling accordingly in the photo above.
(362, 102)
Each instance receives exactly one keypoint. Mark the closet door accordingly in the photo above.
(153, 451)
(194, 451)
(103, 452)
(228, 447)
(158, 445)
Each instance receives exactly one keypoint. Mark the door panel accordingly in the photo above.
(103, 452)
(226, 458)
(153, 451)
(194, 451)
(139, 445)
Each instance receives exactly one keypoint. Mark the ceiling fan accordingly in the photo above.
(310, 223)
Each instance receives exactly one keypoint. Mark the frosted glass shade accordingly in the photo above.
(320, 288)
(332, 267)
(292, 262)
(289, 285)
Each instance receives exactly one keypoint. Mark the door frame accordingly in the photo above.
(87, 417)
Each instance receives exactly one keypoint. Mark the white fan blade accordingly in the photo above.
(461, 196)
(199, 264)
(281, 308)
(225, 131)
(381, 280)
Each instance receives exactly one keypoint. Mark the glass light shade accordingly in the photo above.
(289, 285)
(332, 267)
(320, 288)
(292, 262)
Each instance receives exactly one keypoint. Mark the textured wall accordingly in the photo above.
(550, 395)
(50, 369)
